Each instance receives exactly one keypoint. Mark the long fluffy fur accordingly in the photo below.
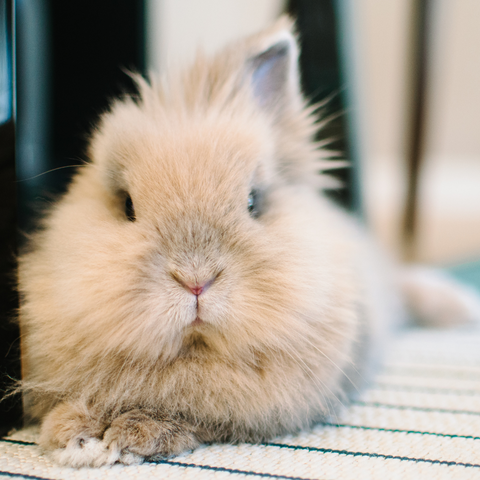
(299, 299)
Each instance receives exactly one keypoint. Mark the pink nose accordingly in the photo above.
(197, 288)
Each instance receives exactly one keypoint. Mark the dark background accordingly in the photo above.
(85, 47)
(322, 77)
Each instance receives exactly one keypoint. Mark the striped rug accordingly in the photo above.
(419, 420)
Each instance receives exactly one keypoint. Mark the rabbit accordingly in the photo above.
(194, 284)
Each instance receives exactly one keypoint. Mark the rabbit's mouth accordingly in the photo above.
(197, 322)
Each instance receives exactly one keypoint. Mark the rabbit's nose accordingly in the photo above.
(197, 288)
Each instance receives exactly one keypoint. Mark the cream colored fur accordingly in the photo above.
(115, 369)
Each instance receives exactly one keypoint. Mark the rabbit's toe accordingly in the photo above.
(73, 434)
(140, 434)
(83, 452)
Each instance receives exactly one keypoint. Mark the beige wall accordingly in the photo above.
(177, 28)
(383, 36)
(450, 201)
(449, 223)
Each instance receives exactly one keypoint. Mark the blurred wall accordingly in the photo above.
(384, 39)
(177, 28)
(449, 190)
(450, 183)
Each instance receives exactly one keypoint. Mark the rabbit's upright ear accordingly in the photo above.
(274, 70)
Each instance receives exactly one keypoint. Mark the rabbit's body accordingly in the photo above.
(192, 285)
(284, 325)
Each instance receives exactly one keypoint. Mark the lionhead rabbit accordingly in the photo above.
(193, 285)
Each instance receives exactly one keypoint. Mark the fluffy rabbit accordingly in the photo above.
(193, 285)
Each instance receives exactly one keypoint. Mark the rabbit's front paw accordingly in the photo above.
(82, 437)
(74, 435)
(142, 434)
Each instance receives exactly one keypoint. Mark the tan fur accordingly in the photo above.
(116, 371)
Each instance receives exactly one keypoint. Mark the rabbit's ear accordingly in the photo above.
(275, 78)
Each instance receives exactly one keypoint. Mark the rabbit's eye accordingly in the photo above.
(253, 204)
(129, 210)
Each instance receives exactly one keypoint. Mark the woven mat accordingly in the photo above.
(419, 420)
